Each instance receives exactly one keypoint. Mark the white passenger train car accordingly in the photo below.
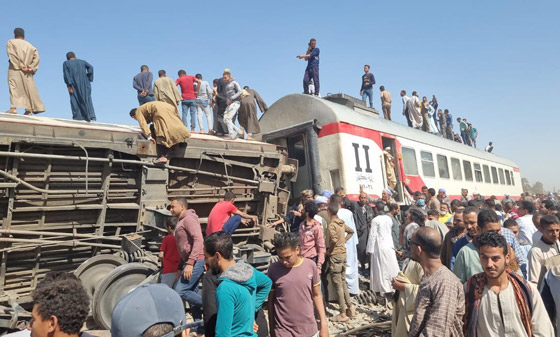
(338, 141)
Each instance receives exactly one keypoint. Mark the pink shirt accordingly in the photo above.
(189, 238)
(312, 241)
(219, 215)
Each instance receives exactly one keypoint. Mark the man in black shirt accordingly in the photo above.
(367, 86)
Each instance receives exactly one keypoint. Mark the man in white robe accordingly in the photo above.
(352, 276)
(414, 111)
(23, 64)
(383, 259)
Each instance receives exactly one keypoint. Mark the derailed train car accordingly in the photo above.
(88, 198)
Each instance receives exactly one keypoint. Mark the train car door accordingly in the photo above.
(301, 143)
(394, 168)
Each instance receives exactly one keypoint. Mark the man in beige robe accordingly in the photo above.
(407, 285)
(168, 129)
(24, 62)
(390, 168)
(166, 91)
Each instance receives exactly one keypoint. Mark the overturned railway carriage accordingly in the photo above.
(338, 141)
(87, 198)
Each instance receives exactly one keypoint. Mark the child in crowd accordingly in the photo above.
(169, 254)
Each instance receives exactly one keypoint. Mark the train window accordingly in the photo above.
(508, 179)
(494, 175)
(468, 170)
(409, 161)
(427, 164)
(456, 168)
(512, 180)
(443, 168)
(477, 173)
(486, 170)
(501, 174)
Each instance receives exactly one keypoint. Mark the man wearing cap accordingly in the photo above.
(190, 244)
(241, 291)
(442, 196)
(151, 310)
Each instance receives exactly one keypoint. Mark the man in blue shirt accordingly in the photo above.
(143, 84)
(312, 70)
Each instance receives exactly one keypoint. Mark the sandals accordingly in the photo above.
(339, 319)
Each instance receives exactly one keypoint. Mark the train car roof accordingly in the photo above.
(299, 108)
(37, 129)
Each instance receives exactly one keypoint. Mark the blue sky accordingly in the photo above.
(493, 62)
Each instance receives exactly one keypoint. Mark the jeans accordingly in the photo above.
(145, 99)
(231, 225)
(466, 138)
(368, 93)
(407, 114)
(189, 105)
(311, 73)
(188, 289)
(231, 112)
(168, 279)
(473, 142)
(203, 106)
(450, 132)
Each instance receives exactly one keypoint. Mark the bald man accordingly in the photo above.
(440, 304)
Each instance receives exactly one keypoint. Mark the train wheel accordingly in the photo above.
(115, 285)
(93, 270)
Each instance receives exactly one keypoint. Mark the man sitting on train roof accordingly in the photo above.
(167, 129)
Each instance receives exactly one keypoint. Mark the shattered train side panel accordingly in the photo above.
(70, 190)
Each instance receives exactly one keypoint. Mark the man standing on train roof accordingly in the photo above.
(414, 111)
(167, 131)
(463, 126)
(77, 75)
(405, 111)
(312, 70)
(23, 64)
(142, 82)
(449, 119)
(367, 86)
(385, 103)
(166, 91)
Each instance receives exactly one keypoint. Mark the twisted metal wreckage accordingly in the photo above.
(87, 198)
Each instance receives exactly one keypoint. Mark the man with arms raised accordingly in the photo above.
(295, 291)
(500, 302)
(440, 303)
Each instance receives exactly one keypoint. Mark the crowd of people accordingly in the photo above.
(464, 267)
(229, 102)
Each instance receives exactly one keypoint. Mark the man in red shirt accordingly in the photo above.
(225, 216)
(169, 254)
(189, 103)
